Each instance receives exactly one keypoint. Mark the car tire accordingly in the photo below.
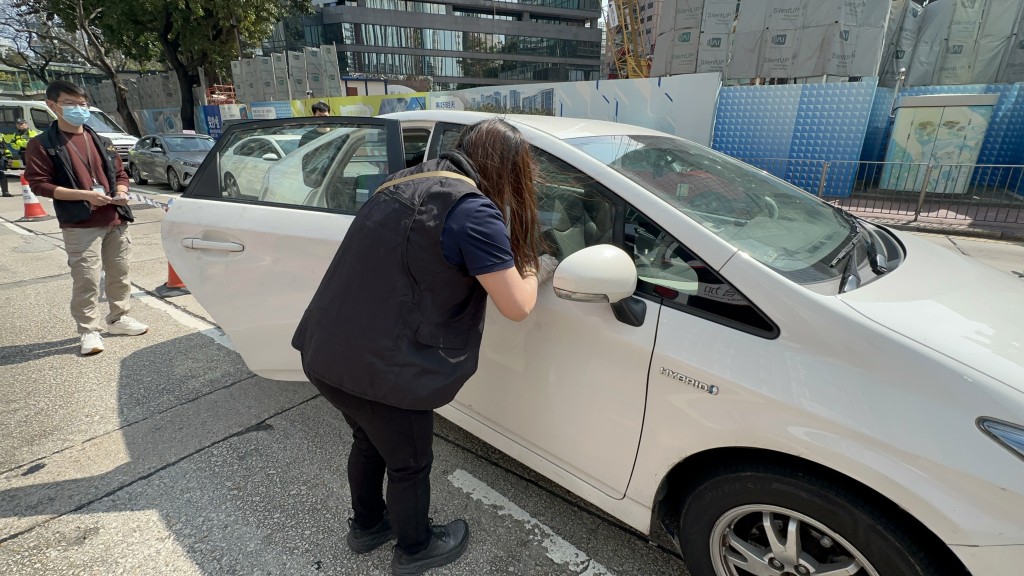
(173, 180)
(137, 174)
(231, 186)
(737, 507)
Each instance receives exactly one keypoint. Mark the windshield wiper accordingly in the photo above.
(848, 249)
(878, 261)
(851, 277)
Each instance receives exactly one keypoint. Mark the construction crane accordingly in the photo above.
(626, 40)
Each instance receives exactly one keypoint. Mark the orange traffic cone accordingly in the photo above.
(173, 287)
(34, 211)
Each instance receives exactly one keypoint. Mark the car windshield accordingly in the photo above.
(777, 224)
(184, 144)
(100, 122)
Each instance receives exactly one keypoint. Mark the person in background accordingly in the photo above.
(319, 109)
(427, 248)
(83, 174)
(18, 141)
(5, 164)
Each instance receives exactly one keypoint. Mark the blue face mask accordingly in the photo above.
(76, 115)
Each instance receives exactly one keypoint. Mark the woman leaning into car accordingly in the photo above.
(394, 329)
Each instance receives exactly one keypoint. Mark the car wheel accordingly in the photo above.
(231, 186)
(173, 180)
(781, 522)
(137, 174)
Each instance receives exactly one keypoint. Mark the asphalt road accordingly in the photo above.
(165, 455)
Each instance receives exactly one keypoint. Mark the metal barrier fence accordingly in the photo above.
(970, 192)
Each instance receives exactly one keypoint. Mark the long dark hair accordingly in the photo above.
(503, 159)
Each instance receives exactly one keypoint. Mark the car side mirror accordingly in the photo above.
(156, 150)
(271, 157)
(601, 273)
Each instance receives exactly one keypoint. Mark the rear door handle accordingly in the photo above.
(198, 244)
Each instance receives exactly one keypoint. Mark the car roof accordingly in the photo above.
(558, 126)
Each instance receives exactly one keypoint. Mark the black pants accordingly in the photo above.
(396, 441)
(3, 181)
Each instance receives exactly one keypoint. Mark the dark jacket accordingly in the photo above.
(75, 211)
(392, 320)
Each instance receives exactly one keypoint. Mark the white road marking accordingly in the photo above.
(17, 229)
(560, 551)
(188, 320)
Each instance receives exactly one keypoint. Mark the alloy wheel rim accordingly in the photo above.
(232, 186)
(765, 540)
(175, 184)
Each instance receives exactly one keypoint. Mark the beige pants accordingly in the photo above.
(90, 250)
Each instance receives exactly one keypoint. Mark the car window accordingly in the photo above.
(143, 144)
(775, 223)
(41, 118)
(245, 148)
(188, 144)
(263, 147)
(666, 269)
(415, 140)
(335, 172)
(287, 145)
(449, 138)
(100, 122)
(8, 114)
(574, 210)
(356, 174)
(157, 143)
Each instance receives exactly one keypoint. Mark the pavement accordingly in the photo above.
(165, 455)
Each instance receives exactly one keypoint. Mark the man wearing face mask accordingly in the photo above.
(83, 174)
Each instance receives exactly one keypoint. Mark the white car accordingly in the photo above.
(247, 159)
(724, 362)
(292, 179)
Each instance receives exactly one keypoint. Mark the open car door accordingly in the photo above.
(254, 257)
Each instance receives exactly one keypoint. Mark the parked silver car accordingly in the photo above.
(172, 158)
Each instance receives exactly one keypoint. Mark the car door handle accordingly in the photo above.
(197, 244)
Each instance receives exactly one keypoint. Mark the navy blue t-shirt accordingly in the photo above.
(474, 237)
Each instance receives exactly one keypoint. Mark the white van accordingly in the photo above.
(39, 117)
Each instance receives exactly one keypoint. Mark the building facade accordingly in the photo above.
(459, 44)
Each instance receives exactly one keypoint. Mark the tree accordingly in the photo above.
(24, 50)
(76, 28)
(193, 34)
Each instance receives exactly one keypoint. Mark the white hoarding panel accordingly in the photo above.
(753, 15)
(746, 54)
(688, 14)
(719, 16)
(931, 40)
(713, 53)
(780, 51)
(785, 15)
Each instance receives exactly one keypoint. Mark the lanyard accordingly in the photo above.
(87, 160)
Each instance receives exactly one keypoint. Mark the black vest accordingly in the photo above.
(392, 320)
(75, 211)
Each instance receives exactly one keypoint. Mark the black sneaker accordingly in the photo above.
(446, 545)
(362, 541)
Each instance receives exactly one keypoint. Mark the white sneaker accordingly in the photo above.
(92, 343)
(127, 326)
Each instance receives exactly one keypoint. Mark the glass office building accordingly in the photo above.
(457, 44)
